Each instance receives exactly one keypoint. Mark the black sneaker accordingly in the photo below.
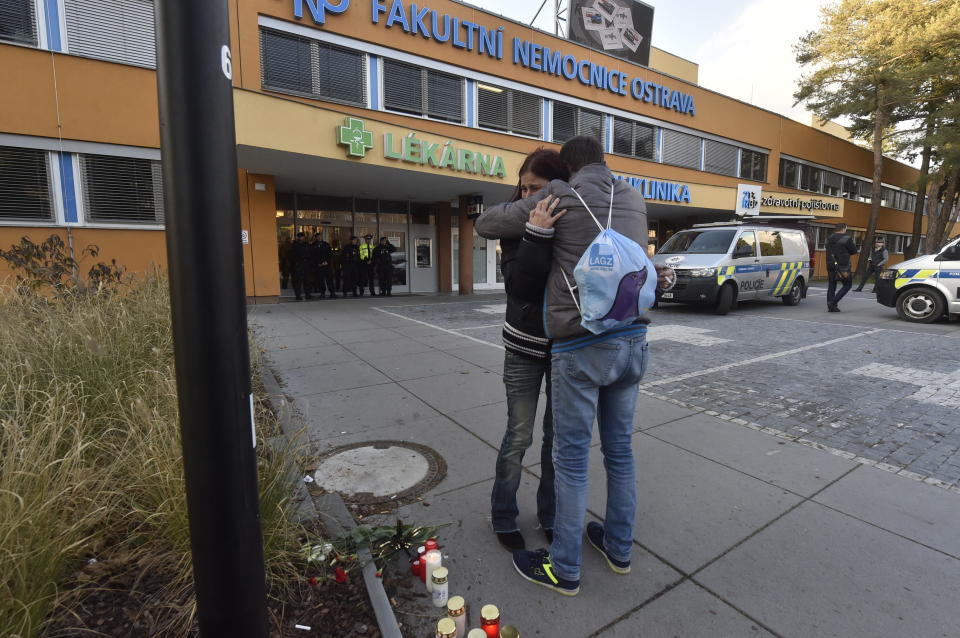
(512, 541)
(595, 536)
(536, 567)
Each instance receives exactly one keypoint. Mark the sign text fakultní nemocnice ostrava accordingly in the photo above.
(419, 21)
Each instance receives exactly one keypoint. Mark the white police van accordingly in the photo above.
(926, 288)
(720, 264)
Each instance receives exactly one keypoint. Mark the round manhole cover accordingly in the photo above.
(379, 471)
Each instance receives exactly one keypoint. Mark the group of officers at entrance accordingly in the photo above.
(313, 268)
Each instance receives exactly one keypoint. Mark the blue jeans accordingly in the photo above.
(595, 382)
(834, 297)
(523, 377)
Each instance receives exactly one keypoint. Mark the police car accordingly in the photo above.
(926, 288)
(720, 264)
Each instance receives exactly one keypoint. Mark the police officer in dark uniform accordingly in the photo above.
(350, 267)
(383, 264)
(367, 269)
(322, 255)
(300, 263)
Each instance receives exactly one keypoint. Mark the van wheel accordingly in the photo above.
(793, 297)
(920, 305)
(724, 300)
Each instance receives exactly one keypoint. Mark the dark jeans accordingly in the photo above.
(385, 279)
(834, 297)
(367, 278)
(872, 269)
(323, 279)
(522, 377)
(301, 281)
(350, 278)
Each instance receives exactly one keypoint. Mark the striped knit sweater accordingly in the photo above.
(525, 344)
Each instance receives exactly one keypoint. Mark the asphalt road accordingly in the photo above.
(861, 381)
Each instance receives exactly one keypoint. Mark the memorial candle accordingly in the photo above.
(457, 610)
(490, 621)
(432, 559)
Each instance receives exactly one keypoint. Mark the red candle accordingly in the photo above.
(490, 621)
(423, 564)
(415, 567)
(431, 544)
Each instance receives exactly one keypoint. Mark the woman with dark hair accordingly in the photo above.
(525, 264)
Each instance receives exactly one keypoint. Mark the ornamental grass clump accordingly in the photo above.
(90, 462)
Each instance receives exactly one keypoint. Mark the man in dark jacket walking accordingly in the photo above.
(878, 259)
(840, 247)
(594, 376)
(300, 264)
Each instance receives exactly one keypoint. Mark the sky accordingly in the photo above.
(744, 48)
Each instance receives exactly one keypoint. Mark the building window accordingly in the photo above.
(810, 178)
(18, 22)
(508, 110)
(122, 190)
(424, 92)
(681, 149)
(24, 185)
(788, 173)
(570, 121)
(866, 190)
(118, 30)
(820, 236)
(634, 139)
(720, 158)
(753, 165)
(832, 183)
(851, 187)
(302, 66)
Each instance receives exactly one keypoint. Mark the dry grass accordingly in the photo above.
(90, 455)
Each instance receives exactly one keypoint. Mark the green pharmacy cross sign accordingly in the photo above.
(357, 139)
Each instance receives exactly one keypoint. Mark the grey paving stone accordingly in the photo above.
(687, 611)
(334, 414)
(482, 572)
(382, 349)
(785, 464)
(489, 422)
(460, 391)
(311, 339)
(421, 364)
(329, 377)
(817, 572)
(922, 512)
(481, 355)
(445, 341)
(689, 509)
(291, 359)
(652, 412)
(367, 335)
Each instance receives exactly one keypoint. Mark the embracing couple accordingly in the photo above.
(544, 232)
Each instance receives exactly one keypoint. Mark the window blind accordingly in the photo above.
(633, 138)
(122, 189)
(18, 22)
(115, 30)
(508, 110)
(570, 121)
(303, 66)
(681, 149)
(24, 185)
(418, 91)
(720, 158)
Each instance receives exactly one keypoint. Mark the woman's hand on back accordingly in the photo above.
(543, 215)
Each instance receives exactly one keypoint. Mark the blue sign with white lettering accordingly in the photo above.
(430, 24)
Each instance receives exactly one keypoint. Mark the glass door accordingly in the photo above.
(393, 226)
(486, 262)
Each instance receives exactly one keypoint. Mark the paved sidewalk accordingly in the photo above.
(738, 533)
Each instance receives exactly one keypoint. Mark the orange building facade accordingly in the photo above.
(391, 118)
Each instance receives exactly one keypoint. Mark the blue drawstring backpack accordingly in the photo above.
(616, 280)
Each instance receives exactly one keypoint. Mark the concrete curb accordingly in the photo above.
(331, 508)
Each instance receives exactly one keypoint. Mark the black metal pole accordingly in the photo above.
(208, 309)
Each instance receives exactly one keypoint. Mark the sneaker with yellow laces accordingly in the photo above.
(536, 567)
